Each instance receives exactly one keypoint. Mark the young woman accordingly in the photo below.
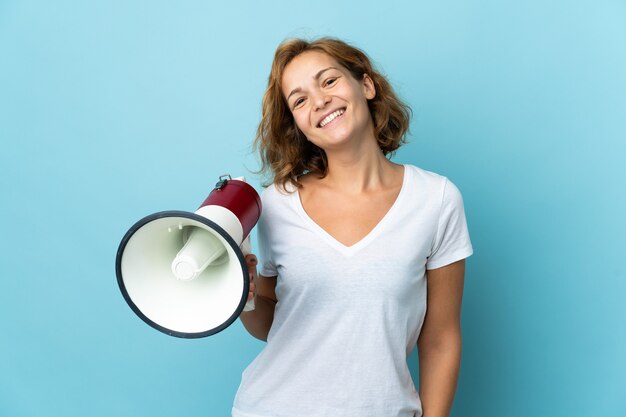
(353, 248)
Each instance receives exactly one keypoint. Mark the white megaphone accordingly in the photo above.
(185, 273)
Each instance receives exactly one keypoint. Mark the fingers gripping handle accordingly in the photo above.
(246, 248)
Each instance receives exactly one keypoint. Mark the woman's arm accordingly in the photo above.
(439, 344)
(263, 289)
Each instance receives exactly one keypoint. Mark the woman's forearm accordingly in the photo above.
(439, 365)
(259, 320)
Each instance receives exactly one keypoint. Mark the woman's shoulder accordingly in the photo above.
(436, 185)
(423, 177)
(275, 193)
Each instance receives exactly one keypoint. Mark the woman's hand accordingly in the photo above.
(258, 315)
(251, 261)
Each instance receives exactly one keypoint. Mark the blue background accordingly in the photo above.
(111, 110)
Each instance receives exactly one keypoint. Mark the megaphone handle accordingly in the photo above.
(246, 246)
(249, 305)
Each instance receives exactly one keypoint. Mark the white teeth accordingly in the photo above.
(331, 117)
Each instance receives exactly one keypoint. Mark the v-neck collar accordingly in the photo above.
(365, 240)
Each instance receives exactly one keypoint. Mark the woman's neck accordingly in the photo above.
(358, 170)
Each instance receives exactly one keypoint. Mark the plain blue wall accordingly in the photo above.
(111, 110)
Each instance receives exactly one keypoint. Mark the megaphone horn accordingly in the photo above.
(184, 273)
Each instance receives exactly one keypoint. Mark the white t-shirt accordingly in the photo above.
(347, 317)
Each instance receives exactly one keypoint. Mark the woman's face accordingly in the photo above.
(327, 103)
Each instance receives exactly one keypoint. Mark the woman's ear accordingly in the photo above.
(368, 87)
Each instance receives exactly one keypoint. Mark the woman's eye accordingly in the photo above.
(330, 81)
(298, 102)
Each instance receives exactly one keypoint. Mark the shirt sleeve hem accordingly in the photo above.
(268, 272)
(457, 255)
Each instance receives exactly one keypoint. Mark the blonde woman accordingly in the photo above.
(353, 248)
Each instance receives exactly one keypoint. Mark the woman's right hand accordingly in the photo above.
(251, 262)
(261, 299)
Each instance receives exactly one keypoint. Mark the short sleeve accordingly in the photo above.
(452, 242)
(268, 267)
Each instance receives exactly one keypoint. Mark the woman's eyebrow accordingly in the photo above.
(320, 72)
(315, 77)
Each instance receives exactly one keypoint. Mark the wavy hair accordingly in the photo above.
(284, 150)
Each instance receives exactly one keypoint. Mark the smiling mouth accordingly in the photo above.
(331, 117)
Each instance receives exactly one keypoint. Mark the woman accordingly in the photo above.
(353, 248)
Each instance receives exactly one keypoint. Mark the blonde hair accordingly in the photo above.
(284, 150)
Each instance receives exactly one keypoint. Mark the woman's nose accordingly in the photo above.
(321, 100)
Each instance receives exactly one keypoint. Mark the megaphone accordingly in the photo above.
(184, 273)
